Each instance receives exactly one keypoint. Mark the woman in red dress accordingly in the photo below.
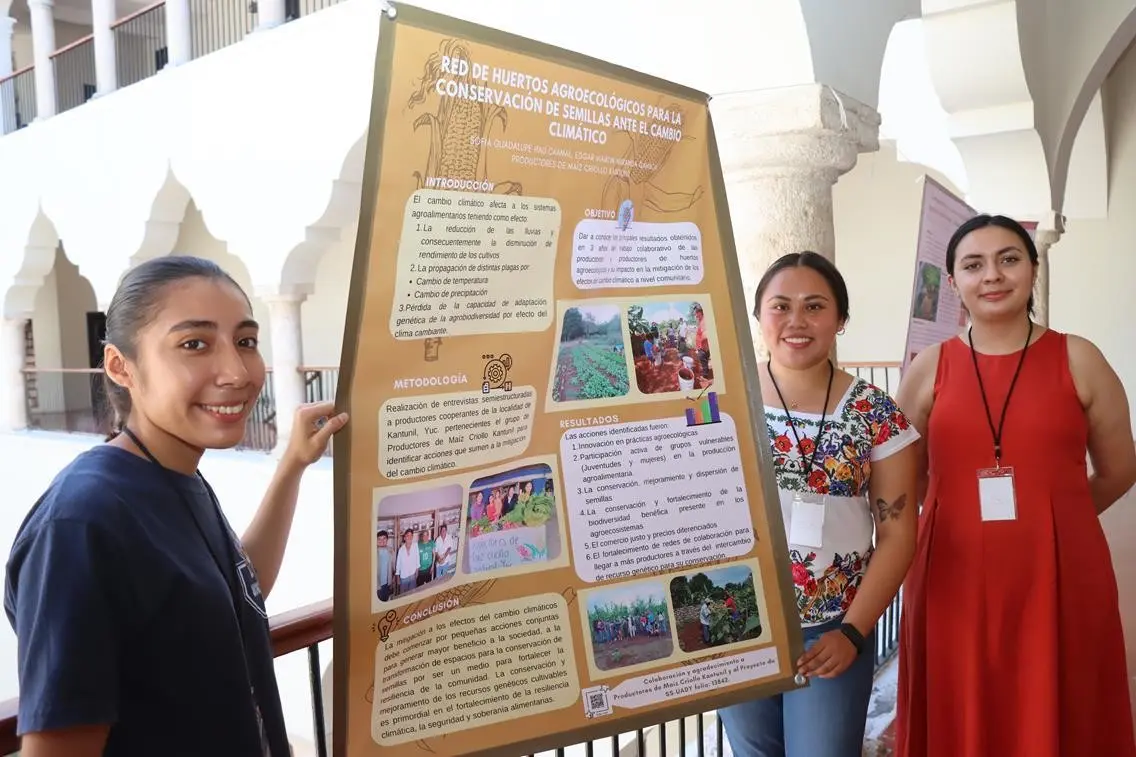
(1011, 643)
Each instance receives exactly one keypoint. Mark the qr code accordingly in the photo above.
(597, 701)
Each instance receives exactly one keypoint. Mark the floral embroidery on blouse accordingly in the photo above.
(867, 426)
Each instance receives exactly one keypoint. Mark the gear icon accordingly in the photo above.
(496, 374)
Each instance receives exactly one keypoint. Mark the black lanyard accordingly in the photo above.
(997, 433)
(227, 574)
(793, 426)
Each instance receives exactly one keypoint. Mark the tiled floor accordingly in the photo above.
(885, 747)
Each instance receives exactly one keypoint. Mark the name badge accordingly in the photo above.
(806, 527)
(996, 497)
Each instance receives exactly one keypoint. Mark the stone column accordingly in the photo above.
(179, 33)
(1049, 232)
(7, 89)
(43, 45)
(103, 15)
(13, 404)
(287, 357)
(782, 151)
(270, 13)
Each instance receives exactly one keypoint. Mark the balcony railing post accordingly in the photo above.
(7, 87)
(103, 16)
(43, 45)
(179, 32)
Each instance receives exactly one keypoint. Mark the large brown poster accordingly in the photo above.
(555, 513)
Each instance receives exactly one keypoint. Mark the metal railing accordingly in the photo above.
(219, 23)
(17, 100)
(140, 49)
(882, 375)
(74, 74)
(74, 400)
(700, 735)
(319, 382)
(140, 52)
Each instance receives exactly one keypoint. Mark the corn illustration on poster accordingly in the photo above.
(555, 517)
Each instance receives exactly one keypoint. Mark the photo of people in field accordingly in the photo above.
(629, 625)
(590, 361)
(715, 607)
(670, 344)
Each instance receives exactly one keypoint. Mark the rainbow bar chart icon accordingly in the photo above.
(705, 411)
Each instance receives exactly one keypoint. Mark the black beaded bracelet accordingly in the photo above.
(853, 634)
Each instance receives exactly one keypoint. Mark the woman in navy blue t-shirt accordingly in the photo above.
(139, 613)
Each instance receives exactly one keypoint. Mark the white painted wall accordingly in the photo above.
(876, 207)
(195, 239)
(59, 328)
(324, 311)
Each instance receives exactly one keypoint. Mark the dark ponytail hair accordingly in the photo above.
(137, 298)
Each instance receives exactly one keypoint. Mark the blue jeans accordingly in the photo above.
(824, 719)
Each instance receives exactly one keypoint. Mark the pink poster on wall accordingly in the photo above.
(936, 312)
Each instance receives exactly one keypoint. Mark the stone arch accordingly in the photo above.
(37, 261)
(163, 224)
(913, 119)
(848, 42)
(298, 272)
(990, 109)
(1086, 99)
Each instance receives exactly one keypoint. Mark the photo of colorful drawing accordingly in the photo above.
(590, 362)
(629, 625)
(670, 345)
(715, 607)
(512, 520)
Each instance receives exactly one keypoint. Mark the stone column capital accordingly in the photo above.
(1049, 230)
(295, 294)
(809, 128)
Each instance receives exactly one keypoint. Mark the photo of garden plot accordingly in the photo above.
(715, 607)
(590, 363)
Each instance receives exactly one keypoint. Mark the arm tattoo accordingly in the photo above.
(885, 511)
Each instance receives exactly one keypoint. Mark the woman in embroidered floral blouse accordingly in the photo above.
(846, 472)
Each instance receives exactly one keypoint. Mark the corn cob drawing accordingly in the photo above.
(459, 128)
(650, 154)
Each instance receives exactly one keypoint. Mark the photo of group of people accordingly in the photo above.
(715, 607)
(629, 625)
(670, 344)
(511, 520)
(416, 540)
(633, 624)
